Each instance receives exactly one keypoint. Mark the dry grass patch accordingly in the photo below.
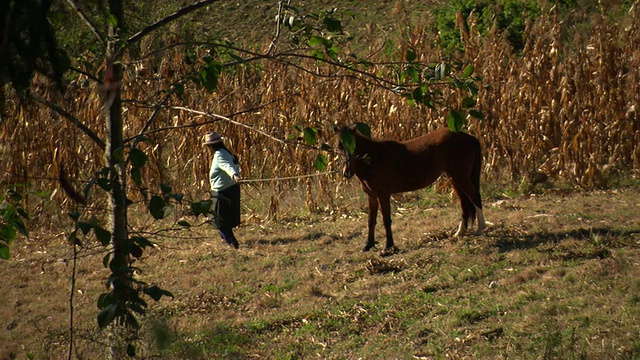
(304, 289)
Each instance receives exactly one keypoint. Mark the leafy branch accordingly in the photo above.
(12, 217)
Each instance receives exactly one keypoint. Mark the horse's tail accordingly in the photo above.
(475, 173)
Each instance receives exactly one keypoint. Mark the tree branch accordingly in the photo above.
(86, 20)
(144, 32)
(69, 117)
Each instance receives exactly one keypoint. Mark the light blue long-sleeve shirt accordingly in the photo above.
(223, 167)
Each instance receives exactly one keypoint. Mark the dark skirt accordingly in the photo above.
(226, 207)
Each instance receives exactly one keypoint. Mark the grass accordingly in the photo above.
(553, 286)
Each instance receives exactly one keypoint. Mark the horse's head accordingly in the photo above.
(348, 136)
(347, 145)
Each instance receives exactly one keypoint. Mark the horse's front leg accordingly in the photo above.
(385, 208)
(373, 213)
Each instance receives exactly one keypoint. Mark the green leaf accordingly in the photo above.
(410, 56)
(201, 207)
(468, 71)
(131, 350)
(87, 189)
(209, 76)
(4, 252)
(348, 141)
(138, 307)
(107, 315)
(333, 25)
(73, 238)
(468, 102)
(18, 224)
(310, 136)
(477, 114)
(135, 251)
(132, 321)
(455, 120)
(104, 184)
(320, 163)
(166, 189)
(136, 176)
(142, 241)
(118, 154)
(178, 89)
(413, 72)
(333, 53)
(317, 54)
(320, 41)
(103, 235)
(184, 223)
(105, 299)
(363, 129)
(74, 215)
(137, 158)
(112, 20)
(177, 197)
(93, 221)
(22, 213)
(156, 293)
(15, 196)
(156, 207)
(7, 233)
(417, 94)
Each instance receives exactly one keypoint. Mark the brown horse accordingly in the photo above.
(386, 167)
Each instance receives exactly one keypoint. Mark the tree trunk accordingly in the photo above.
(121, 277)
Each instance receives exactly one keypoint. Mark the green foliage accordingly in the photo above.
(319, 29)
(12, 217)
(321, 162)
(309, 137)
(206, 72)
(123, 301)
(509, 16)
(424, 83)
(29, 45)
(455, 120)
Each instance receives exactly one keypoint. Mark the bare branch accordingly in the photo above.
(220, 117)
(183, 11)
(69, 117)
(86, 20)
(272, 46)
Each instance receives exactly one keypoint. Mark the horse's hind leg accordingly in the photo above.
(482, 223)
(373, 213)
(468, 208)
(471, 204)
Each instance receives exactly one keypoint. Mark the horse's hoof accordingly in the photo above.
(367, 248)
(389, 251)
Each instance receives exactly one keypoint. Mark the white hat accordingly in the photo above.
(212, 138)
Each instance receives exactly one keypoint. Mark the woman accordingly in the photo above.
(225, 190)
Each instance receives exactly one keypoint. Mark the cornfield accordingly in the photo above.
(568, 109)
